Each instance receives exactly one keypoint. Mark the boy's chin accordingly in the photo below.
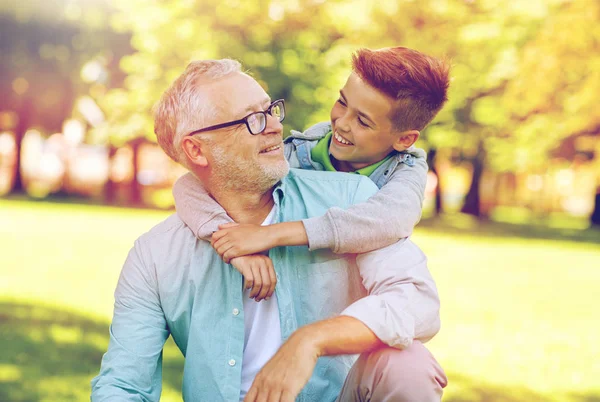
(340, 156)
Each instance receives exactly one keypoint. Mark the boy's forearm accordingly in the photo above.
(288, 234)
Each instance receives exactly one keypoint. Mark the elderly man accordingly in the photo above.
(302, 343)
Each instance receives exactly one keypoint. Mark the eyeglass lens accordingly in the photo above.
(257, 122)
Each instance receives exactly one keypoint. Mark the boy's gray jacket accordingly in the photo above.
(387, 217)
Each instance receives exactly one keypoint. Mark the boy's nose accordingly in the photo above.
(342, 124)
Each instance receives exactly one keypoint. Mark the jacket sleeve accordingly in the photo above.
(403, 303)
(131, 369)
(196, 208)
(386, 217)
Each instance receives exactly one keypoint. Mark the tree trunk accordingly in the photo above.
(595, 218)
(22, 126)
(135, 194)
(431, 159)
(110, 188)
(472, 205)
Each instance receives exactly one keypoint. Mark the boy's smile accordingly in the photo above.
(340, 140)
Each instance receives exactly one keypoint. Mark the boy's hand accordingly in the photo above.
(259, 275)
(234, 240)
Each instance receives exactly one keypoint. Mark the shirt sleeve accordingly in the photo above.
(403, 303)
(131, 369)
(196, 208)
(386, 217)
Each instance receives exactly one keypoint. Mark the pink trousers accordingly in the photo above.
(393, 375)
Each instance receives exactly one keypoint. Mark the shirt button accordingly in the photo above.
(236, 311)
(232, 362)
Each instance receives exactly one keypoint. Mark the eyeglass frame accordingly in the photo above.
(244, 120)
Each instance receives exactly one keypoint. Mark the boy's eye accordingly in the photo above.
(341, 102)
(362, 123)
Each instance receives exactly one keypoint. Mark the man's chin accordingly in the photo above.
(277, 171)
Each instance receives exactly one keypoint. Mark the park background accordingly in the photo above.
(511, 222)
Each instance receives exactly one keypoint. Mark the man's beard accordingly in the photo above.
(246, 175)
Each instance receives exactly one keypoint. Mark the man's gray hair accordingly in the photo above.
(182, 108)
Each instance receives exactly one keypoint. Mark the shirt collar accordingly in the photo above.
(320, 154)
(279, 191)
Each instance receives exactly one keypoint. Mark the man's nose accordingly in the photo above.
(274, 126)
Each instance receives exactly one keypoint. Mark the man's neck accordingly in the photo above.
(245, 207)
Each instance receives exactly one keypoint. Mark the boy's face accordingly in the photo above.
(362, 130)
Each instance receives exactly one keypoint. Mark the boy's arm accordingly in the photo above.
(383, 219)
(386, 217)
(196, 208)
(131, 369)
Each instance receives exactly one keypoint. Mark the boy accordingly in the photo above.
(390, 96)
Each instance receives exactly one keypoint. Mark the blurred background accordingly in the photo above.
(511, 222)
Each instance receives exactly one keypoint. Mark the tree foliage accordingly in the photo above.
(524, 73)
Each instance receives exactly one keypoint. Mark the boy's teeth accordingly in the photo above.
(341, 139)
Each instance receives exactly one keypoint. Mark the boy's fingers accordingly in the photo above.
(222, 249)
(230, 254)
(216, 243)
(225, 257)
(217, 235)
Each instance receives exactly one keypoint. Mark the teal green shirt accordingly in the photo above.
(320, 154)
(173, 284)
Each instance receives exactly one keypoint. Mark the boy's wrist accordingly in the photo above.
(273, 236)
(287, 234)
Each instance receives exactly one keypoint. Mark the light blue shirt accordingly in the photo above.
(174, 284)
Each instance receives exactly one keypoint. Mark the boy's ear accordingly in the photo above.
(193, 150)
(406, 139)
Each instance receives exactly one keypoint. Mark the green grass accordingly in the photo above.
(519, 321)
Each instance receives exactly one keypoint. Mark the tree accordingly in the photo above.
(44, 47)
(300, 50)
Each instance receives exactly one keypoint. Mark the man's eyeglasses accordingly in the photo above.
(256, 122)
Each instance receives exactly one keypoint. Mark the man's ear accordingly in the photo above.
(192, 148)
(406, 139)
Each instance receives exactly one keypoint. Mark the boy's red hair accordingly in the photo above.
(418, 83)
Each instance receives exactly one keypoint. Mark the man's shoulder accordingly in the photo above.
(172, 228)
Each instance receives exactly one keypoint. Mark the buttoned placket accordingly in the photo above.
(235, 348)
